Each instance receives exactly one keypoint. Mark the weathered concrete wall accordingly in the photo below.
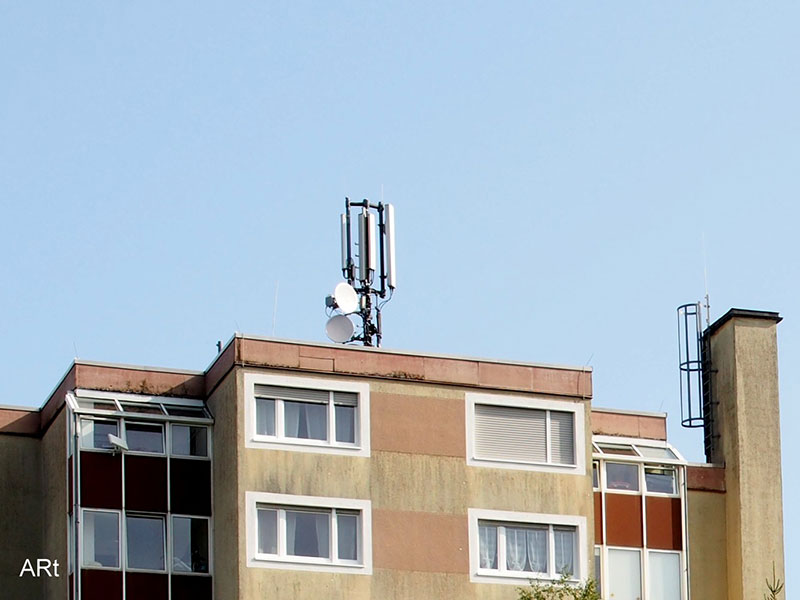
(54, 504)
(745, 387)
(21, 518)
(420, 487)
(228, 506)
(707, 542)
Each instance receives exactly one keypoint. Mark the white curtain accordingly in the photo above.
(564, 551)
(488, 546)
(537, 549)
(265, 416)
(345, 424)
(268, 531)
(516, 549)
(306, 420)
(307, 534)
(347, 526)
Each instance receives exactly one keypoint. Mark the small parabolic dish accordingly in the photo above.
(339, 328)
(345, 297)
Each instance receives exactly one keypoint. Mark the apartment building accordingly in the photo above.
(299, 470)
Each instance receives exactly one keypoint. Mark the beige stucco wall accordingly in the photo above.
(227, 507)
(21, 518)
(420, 487)
(707, 543)
(55, 500)
(745, 385)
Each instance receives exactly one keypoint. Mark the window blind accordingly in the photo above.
(290, 393)
(562, 438)
(510, 433)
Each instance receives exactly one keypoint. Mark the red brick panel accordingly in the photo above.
(598, 518)
(101, 584)
(146, 586)
(101, 480)
(146, 483)
(664, 523)
(624, 520)
(191, 587)
(190, 486)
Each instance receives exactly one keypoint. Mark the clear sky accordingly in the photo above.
(555, 166)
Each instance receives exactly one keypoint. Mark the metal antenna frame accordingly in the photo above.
(371, 327)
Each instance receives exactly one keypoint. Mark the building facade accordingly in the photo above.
(298, 470)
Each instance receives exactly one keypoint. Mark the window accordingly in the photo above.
(310, 415)
(145, 437)
(624, 574)
(145, 537)
(188, 440)
(523, 546)
(598, 567)
(622, 476)
(664, 576)
(525, 433)
(189, 545)
(100, 539)
(660, 480)
(308, 532)
(94, 433)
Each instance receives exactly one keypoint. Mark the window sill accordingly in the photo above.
(525, 466)
(514, 578)
(265, 561)
(315, 446)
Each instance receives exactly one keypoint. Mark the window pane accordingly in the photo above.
(308, 534)
(185, 411)
(564, 546)
(94, 434)
(96, 404)
(624, 575)
(141, 407)
(526, 549)
(265, 416)
(189, 545)
(487, 535)
(650, 452)
(145, 438)
(622, 477)
(660, 480)
(620, 449)
(145, 543)
(347, 526)
(305, 420)
(267, 531)
(188, 440)
(598, 570)
(346, 424)
(595, 476)
(665, 576)
(100, 539)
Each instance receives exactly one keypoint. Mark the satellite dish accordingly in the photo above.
(346, 298)
(339, 329)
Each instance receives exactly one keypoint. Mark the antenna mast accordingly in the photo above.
(362, 293)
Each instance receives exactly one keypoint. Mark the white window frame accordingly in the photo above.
(256, 559)
(120, 539)
(502, 518)
(154, 516)
(329, 446)
(171, 545)
(534, 403)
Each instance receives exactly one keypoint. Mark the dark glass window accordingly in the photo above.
(189, 440)
(189, 545)
(145, 542)
(145, 437)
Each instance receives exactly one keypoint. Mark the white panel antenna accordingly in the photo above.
(391, 267)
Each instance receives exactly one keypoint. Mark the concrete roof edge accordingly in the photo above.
(635, 413)
(743, 313)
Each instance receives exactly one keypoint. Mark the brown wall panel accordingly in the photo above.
(69, 485)
(418, 541)
(624, 520)
(146, 483)
(101, 480)
(191, 587)
(190, 486)
(598, 518)
(101, 585)
(146, 586)
(664, 523)
(396, 425)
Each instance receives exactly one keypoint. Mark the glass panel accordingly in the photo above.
(526, 549)
(621, 449)
(188, 440)
(89, 403)
(346, 424)
(650, 452)
(267, 531)
(598, 570)
(564, 546)
(624, 575)
(595, 476)
(94, 434)
(487, 535)
(185, 411)
(305, 420)
(622, 477)
(347, 527)
(189, 545)
(100, 539)
(660, 480)
(145, 409)
(145, 543)
(265, 416)
(665, 576)
(144, 437)
(307, 534)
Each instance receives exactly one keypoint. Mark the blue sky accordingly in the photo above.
(555, 167)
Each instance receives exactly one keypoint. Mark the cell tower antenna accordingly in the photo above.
(370, 283)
